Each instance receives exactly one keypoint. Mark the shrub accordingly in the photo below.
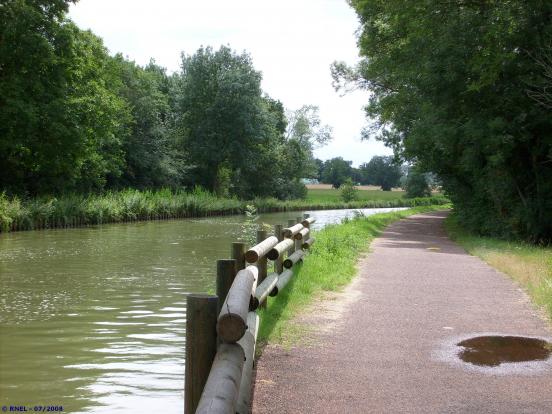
(348, 191)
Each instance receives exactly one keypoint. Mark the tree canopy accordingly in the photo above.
(453, 90)
(76, 119)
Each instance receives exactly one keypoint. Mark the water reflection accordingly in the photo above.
(94, 319)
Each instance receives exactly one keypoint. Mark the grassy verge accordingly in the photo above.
(131, 205)
(529, 265)
(330, 266)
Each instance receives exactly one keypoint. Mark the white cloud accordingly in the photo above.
(292, 42)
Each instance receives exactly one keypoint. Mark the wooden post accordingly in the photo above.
(255, 253)
(264, 289)
(283, 280)
(307, 244)
(298, 242)
(248, 344)
(201, 346)
(232, 320)
(279, 262)
(220, 394)
(262, 262)
(226, 272)
(277, 252)
(294, 258)
(238, 254)
(291, 223)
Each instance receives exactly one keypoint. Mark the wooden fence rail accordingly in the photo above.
(221, 330)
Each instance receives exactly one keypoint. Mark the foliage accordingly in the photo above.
(336, 171)
(451, 89)
(73, 210)
(348, 191)
(151, 156)
(382, 171)
(416, 185)
(61, 123)
(76, 120)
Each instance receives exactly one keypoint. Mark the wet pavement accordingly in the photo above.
(425, 328)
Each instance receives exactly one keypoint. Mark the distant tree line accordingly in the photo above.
(462, 88)
(75, 119)
(381, 171)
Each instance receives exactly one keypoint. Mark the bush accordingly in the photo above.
(348, 191)
(290, 190)
(417, 185)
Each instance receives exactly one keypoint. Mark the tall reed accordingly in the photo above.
(75, 210)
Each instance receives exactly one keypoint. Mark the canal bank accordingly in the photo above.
(95, 317)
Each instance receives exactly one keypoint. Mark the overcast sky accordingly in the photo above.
(291, 42)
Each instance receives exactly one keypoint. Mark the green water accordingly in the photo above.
(94, 319)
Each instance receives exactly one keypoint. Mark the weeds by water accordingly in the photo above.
(129, 205)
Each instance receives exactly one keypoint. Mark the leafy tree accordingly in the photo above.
(451, 90)
(416, 185)
(382, 171)
(225, 123)
(336, 171)
(60, 124)
(304, 133)
(151, 156)
(348, 191)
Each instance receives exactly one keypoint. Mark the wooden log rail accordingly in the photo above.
(221, 329)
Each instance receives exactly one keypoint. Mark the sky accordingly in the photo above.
(292, 42)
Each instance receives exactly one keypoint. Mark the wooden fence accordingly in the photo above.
(221, 329)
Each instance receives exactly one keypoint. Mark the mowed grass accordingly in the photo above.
(329, 266)
(334, 195)
(529, 265)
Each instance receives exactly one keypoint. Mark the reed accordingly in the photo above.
(73, 210)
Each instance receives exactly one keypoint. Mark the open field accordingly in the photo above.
(529, 265)
(329, 194)
(360, 187)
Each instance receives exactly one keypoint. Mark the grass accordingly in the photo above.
(76, 210)
(529, 265)
(334, 195)
(330, 266)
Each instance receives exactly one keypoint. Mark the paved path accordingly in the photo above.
(392, 348)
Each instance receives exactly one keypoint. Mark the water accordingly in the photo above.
(492, 351)
(94, 319)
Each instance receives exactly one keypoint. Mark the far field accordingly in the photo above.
(325, 193)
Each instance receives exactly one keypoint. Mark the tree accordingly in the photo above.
(348, 191)
(416, 185)
(223, 117)
(61, 123)
(449, 84)
(336, 171)
(382, 171)
(151, 156)
(304, 133)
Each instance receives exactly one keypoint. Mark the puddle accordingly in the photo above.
(492, 351)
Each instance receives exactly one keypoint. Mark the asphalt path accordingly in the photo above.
(388, 344)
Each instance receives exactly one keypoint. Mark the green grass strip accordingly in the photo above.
(75, 210)
(529, 265)
(330, 266)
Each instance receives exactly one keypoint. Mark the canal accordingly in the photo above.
(93, 319)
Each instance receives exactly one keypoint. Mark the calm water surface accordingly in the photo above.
(94, 319)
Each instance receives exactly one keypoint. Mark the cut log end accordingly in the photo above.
(231, 327)
(251, 256)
